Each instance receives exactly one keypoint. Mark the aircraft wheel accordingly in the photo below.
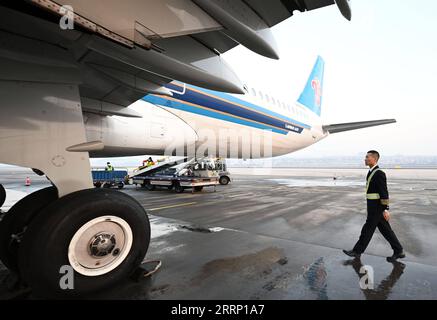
(198, 188)
(2, 195)
(100, 235)
(178, 188)
(150, 187)
(15, 221)
(224, 180)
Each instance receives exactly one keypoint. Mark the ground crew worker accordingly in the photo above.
(378, 213)
(109, 167)
(150, 162)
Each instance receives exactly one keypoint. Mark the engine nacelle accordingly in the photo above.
(158, 132)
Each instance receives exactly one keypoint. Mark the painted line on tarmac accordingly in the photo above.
(173, 206)
(240, 195)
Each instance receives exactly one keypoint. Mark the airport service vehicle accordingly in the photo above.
(118, 78)
(178, 183)
(108, 179)
(194, 174)
(224, 174)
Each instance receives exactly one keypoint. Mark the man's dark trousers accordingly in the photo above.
(375, 219)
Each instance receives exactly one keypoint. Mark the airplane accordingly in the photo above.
(104, 78)
(250, 125)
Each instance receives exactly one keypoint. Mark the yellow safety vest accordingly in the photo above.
(372, 196)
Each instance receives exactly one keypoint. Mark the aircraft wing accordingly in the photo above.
(340, 127)
(123, 50)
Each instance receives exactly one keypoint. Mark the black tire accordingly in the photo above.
(98, 184)
(17, 219)
(2, 195)
(120, 185)
(106, 185)
(198, 188)
(45, 244)
(150, 187)
(178, 188)
(170, 187)
(224, 180)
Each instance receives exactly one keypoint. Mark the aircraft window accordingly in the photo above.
(253, 92)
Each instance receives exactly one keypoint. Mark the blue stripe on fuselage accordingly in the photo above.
(180, 105)
(227, 107)
(232, 100)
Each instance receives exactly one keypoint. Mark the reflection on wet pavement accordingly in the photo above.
(384, 289)
(316, 278)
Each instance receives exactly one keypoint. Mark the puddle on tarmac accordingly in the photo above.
(328, 182)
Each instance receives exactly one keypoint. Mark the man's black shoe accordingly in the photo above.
(352, 253)
(395, 257)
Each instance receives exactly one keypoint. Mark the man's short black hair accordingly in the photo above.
(375, 153)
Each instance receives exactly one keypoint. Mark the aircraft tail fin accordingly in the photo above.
(311, 96)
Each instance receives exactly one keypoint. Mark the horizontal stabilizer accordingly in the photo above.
(340, 127)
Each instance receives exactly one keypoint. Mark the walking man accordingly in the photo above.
(378, 214)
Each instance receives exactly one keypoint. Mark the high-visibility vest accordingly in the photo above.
(372, 196)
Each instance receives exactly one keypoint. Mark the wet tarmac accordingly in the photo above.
(278, 234)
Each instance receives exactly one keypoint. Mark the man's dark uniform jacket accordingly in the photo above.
(378, 184)
(377, 202)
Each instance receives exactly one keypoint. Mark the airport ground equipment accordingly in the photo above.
(179, 184)
(108, 179)
(158, 166)
(224, 174)
(194, 174)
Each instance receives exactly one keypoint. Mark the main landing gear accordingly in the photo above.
(70, 239)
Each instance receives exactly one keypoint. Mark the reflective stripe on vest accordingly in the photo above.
(372, 196)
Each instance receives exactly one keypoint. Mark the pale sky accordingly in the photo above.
(382, 64)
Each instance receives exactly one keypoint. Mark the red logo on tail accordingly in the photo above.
(315, 84)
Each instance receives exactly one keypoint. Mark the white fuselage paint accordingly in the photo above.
(164, 129)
